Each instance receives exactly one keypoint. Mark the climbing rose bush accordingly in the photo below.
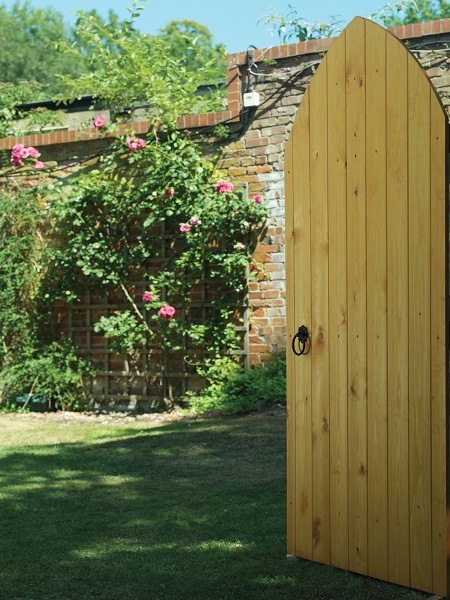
(20, 153)
(170, 197)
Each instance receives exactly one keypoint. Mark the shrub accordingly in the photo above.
(233, 390)
(54, 373)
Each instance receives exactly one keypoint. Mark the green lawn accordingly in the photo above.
(146, 511)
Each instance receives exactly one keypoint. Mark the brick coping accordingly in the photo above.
(236, 66)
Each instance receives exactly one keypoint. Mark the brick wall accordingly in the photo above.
(253, 152)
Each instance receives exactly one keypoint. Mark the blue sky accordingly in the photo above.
(232, 22)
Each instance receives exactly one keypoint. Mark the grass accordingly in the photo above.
(174, 511)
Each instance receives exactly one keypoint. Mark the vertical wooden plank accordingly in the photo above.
(378, 550)
(397, 329)
(356, 259)
(337, 211)
(302, 258)
(290, 327)
(319, 315)
(419, 326)
(438, 345)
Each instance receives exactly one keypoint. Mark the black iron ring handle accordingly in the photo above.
(302, 338)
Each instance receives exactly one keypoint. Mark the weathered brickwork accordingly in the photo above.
(253, 152)
(256, 158)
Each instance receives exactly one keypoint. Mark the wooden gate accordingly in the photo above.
(366, 262)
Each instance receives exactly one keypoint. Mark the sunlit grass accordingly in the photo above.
(180, 511)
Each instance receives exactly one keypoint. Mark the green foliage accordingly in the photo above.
(21, 251)
(292, 26)
(416, 12)
(124, 330)
(94, 217)
(216, 371)
(112, 222)
(29, 46)
(233, 390)
(41, 58)
(222, 131)
(193, 43)
(28, 38)
(78, 37)
(53, 372)
(12, 96)
(142, 70)
(30, 363)
(30, 62)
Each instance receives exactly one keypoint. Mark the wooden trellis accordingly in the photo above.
(122, 382)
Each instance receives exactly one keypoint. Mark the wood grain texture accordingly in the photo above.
(337, 219)
(366, 200)
(438, 353)
(319, 315)
(376, 182)
(397, 317)
(357, 295)
(419, 175)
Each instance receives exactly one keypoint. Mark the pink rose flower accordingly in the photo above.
(99, 121)
(135, 143)
(147, 297)
(169, 193)
(131, 143)
(38, 165)
(16, 149)
(185, 227)
(239, 246)
(195, 221)
(33, 152)
(166, 312)
(223, 187)
(15, 161)
(258, 199)
(19, 151)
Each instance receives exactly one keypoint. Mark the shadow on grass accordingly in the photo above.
(176, 512)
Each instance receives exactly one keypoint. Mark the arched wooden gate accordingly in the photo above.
(367, 268)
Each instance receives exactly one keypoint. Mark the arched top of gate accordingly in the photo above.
(361, 37)
(369, 105)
